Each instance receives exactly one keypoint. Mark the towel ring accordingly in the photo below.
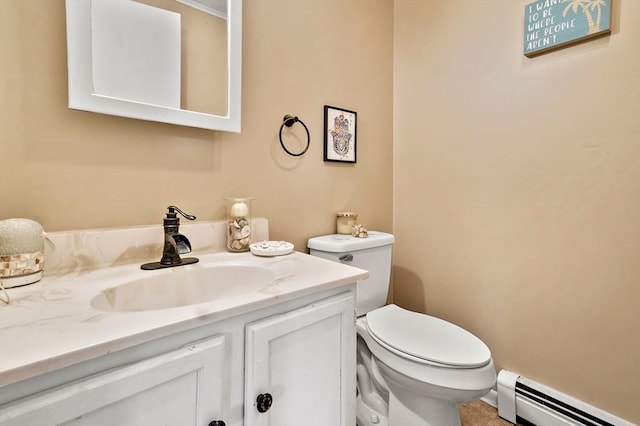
(289, 121)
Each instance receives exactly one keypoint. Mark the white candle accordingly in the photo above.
(239, 210)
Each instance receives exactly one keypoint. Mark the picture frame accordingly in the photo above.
(340, 137)
(548, 27)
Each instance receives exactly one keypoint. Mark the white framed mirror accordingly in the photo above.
(129, 58)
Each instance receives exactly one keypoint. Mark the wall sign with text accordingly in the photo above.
(550, 24)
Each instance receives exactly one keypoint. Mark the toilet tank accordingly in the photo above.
(372, 253)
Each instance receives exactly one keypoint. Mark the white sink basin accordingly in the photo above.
(182, 286)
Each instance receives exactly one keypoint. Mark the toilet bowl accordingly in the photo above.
(427, 365)
(412, 369)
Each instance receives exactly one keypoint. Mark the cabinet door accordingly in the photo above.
(304, 360)
(182, 387)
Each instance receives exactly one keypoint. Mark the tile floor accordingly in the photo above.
(478, 413)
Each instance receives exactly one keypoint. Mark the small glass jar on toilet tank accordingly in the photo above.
(345, 222)
(238, 224)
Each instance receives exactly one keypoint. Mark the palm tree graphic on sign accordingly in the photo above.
(587, 7)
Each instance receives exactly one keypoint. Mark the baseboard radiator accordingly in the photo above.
(524, 401)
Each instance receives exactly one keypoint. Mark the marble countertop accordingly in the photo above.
(51, 324)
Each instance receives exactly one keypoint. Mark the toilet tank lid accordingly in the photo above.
(339, 243)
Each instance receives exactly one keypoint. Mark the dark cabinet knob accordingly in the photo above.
(264, 401)
(217, 423)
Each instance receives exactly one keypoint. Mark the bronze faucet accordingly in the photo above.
(175, 243)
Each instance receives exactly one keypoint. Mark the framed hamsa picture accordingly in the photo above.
(339, 135)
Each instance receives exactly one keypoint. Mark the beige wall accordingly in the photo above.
(75, 170)
(516, 181)
(517, 192)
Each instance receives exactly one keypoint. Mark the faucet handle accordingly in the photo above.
(171, 214)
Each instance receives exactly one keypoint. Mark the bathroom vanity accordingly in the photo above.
(282, 353)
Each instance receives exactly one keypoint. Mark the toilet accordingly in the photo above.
(412, 369)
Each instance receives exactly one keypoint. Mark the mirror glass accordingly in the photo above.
(173, 61)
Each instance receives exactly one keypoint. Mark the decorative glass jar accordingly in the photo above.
(238, 224)
(21, 252)
(345, 222)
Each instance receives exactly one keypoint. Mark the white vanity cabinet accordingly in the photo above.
(181, 387)
(301, 352)
(300, 366)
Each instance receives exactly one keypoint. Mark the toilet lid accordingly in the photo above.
(426, 337)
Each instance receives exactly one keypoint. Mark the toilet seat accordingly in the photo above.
(425, 338)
